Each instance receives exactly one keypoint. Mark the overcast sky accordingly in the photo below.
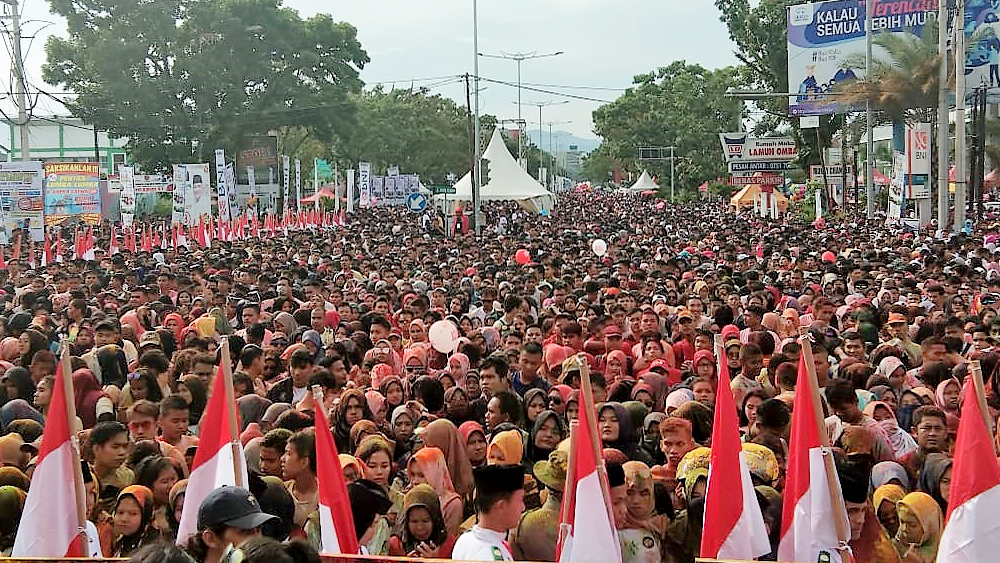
(606, 43)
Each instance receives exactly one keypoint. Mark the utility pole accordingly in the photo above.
(870, 164)
(473, 156)
(672, 200)
(22, 92)
(960, 184)
(942, 120)
(477, 164)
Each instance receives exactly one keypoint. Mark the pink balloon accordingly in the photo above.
(522, 256)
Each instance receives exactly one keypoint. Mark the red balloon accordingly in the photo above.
(522, 257)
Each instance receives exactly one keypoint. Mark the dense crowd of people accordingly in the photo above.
(446, 453)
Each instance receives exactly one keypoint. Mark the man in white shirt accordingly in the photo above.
(500, 504)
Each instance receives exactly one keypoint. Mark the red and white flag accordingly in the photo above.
(50, 525)
(336, 522)
(213, 465)
(591, 533)
(808, 525)
(972, 530)
(736, 529)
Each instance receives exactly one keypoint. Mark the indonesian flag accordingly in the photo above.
(736, 526)
(147, 239)
(88, 245)
(213, 461)
(336, 523)
(113, 246)
(47, 251)
(808, 528)
(591, 533)
(50, 526)
(59, 246)
(77, 244)
(972, 530)
(3, 261)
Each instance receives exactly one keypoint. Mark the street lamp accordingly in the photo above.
(540, 105)
(519, 57)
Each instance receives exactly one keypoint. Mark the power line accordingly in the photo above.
(550, 92)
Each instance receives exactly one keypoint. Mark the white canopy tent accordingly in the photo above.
(644, 183)
(507, 181)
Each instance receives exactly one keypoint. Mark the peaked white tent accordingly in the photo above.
(507, 181)
(644, 183)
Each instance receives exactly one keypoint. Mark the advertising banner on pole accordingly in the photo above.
(259, 152)
(350, 191)
(298, 182)
(72, 189)
(22, 198)
(192, 195)
(180, 195)
(364, 182)
(982, 59)
(894, 212)
(918, 161)
(827, 39)
(222, 186)
(151, 184)
(382, 189)
(230, 178)
(126, 197)
(252, 181)
(740, 146)
(286, 163)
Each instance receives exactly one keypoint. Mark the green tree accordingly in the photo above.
(181, 78)
(681, 105)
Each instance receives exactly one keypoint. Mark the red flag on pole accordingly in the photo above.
(336, 523)
(737, 530)
(972, 531)
(50, 522)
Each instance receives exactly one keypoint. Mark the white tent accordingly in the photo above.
(507, 181)
(644, 183)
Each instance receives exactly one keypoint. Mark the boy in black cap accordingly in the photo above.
(499, 503)
(227, 516)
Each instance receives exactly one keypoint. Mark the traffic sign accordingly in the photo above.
(760, 166)
(416, 202)
(761, 180)
(438, 190)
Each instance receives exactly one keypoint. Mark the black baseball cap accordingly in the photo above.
(235, 507)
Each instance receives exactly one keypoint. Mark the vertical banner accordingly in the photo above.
(412, 185)
(364, 182)
(252, 201)
(23, 199)
(126, 199)
(72, 189)
(918, 161)
(286, 163)
(894, 214)
(298, 182)
(230, 178)
(382, 188)
(222, 186)
(200, 190)
(180, 195)
(350, 191)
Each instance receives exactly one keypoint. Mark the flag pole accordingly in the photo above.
(587, 409)
(976, 371)
(568, 491)
(78, 487)
(832, 485)
(234, 434)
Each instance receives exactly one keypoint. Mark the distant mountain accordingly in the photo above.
(561, 140)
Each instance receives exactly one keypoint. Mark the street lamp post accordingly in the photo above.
(540, 105)
(519, 58)
(477, 167)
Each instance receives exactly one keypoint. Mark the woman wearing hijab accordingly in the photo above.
(545, 435)
(14, 477)
(429, 466)
(193, 389)
(421, 530)
(475, 442)
(935, 479)
(403, 422)
(361, 430)
(88, 392)
(11, 506)
(314, 342)
(947, 395)
(443, 434)
(902, 442)
(890, 473)
(641, 535)
(417, 332)
(617, 367)
(884, 502)
(535, 401)
(352, 408)
(16, 410)
(31, 341)
(676, 398)
(133, 518)
(456, 404)
(391, 387)
(614, 422)
(920, 525)
(651, 437)
(352, 467)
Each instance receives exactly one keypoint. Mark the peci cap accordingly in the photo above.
(492, 479)
(235, 507)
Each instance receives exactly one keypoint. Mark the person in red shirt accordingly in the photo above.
(684, 333)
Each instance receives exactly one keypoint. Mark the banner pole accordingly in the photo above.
(78, 487)
(234, 435)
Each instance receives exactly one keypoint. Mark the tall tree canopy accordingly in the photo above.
(682, 105)
(180, 78)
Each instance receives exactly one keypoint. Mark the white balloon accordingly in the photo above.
(599, 247)
(443, 336)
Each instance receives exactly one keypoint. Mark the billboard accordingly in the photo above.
(21, 198)
(824, 38)
(192, 194)
(982, 59)
(260, 152)
(739, 146)
(72, 189)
